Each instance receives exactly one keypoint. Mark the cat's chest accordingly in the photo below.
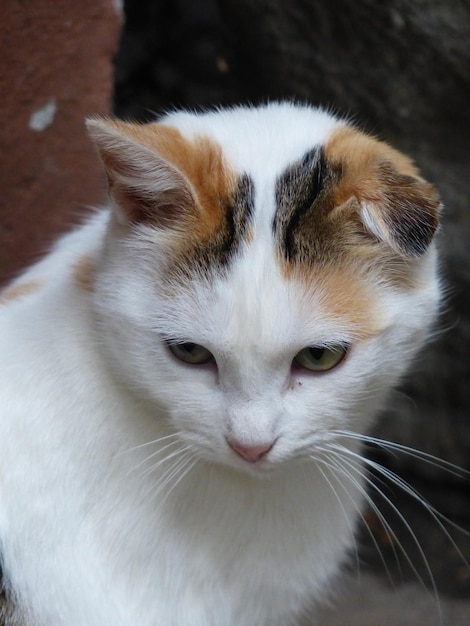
(253, 550)
(249, 550)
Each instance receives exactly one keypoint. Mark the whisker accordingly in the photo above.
(156, 453)
(159, 485)
(335, 459)
(149, 443)
(174, 468)
(184, 472)
(407, 488)
(433, 460)
(436, 516)
(319, 461)
(168, 457)
(182, 467)
(355, 466)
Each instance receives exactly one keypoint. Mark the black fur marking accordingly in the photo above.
(7, 607)
(411, 207)
(239, 215)
(217, 252)
(301, 194)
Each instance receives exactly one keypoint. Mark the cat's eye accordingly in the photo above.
(191, 352)
(321, 358)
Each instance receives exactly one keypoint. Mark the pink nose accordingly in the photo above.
(252, 454)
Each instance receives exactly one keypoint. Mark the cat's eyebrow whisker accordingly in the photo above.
(431, 459)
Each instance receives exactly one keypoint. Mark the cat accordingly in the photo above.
(186, 377)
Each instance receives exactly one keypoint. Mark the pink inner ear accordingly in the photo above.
(143, 186)
(162, 199)
(135, 206)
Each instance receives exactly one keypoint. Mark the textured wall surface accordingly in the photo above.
(56, 68)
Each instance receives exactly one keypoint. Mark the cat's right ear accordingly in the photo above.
(143, 186)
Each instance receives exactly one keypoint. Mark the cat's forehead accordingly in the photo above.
(254, 171)
(261, 141)
(322, 191)
(306, 189)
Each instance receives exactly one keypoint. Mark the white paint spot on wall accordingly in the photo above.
(42, 118)
(119, 7)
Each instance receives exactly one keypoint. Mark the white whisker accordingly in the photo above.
(436, 515)
(184, 470)
(157, 452)
(149, 443)
(180, 451)
(435, 461)
(407, 489)
(336, 460)
(393, 537)
(156, 487)
(319, 461)
(181, 468)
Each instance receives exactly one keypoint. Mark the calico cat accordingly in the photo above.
(185, 378)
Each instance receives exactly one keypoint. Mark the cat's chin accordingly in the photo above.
(259, 469)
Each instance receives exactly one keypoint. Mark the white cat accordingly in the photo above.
(184, 376)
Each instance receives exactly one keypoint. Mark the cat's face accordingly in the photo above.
(267, 276)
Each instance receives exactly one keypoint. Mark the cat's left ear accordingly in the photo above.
(396, 205)
(402, 210)
(143, 186)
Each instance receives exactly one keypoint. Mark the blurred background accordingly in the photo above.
(400, 69)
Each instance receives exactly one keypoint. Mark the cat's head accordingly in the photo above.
(267, 276)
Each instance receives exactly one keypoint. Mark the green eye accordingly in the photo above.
(191, 353)
(321, 358)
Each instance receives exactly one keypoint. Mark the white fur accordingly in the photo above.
(88, 535)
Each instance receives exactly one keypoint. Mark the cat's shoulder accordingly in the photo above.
(69, 260)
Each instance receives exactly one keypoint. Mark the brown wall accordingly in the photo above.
(55, 69)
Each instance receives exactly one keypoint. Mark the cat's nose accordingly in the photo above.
(252, 454)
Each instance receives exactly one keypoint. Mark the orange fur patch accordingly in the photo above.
(202, 163)
(18, 291)
(325, 227)
(83, 273)
(344, 294)
(360, 155)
